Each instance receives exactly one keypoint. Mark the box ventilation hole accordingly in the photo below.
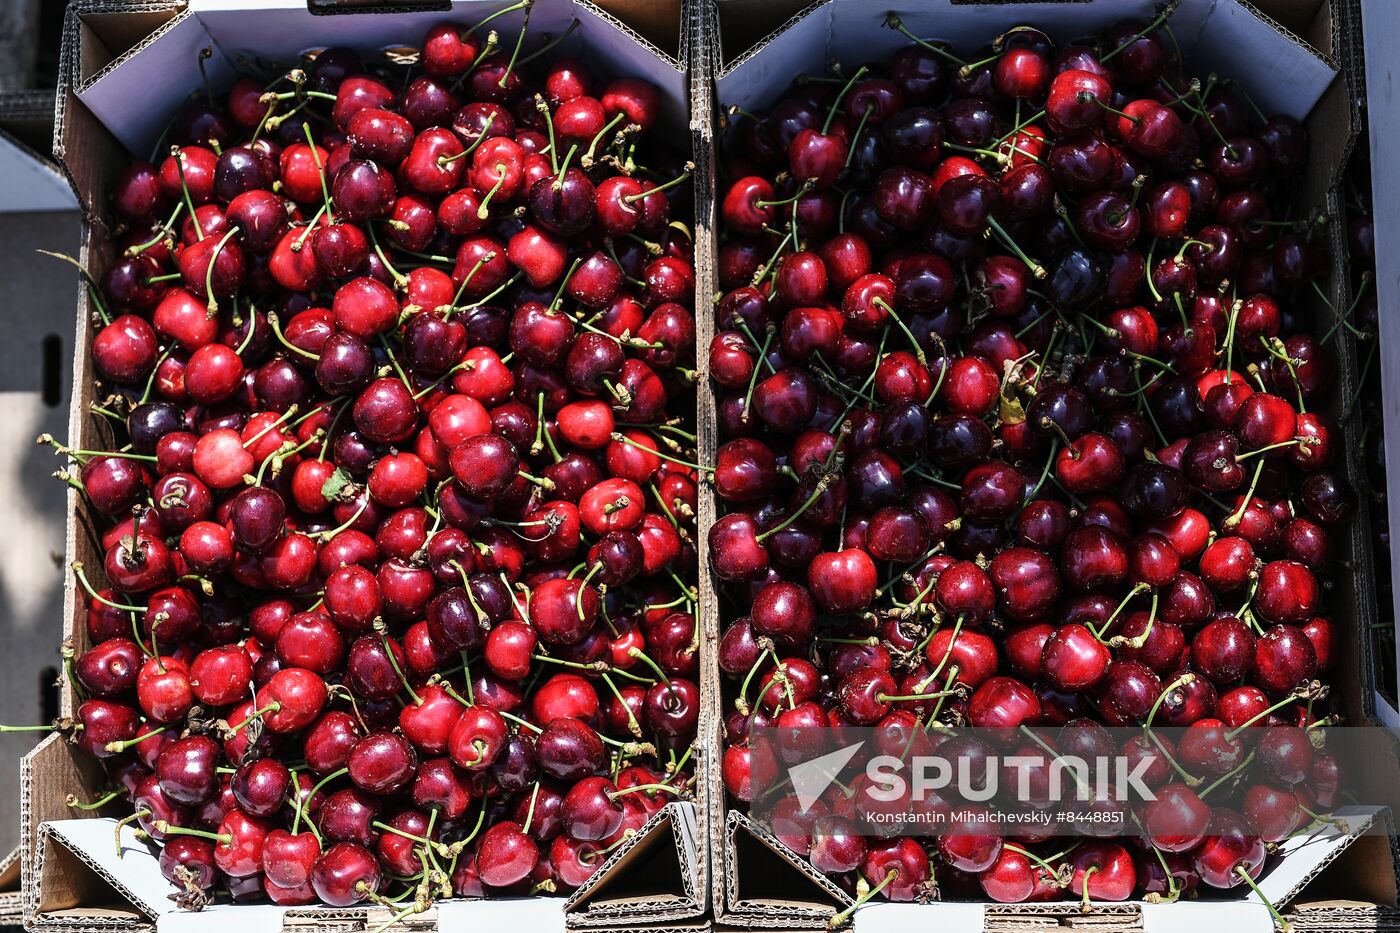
(51, 355)
(48, 694)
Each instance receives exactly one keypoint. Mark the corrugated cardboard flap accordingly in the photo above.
(794, 893)
(116, 855)
(654, 878)
(32, 181)
(11, 906)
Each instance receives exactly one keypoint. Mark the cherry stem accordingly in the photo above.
(551, 43)
(633, 726)
(1036, 268)
(1292, 697)
(444, 161)
(1137, 641)
(1117, 217)
(347, 525)
(947, 653)
(683, 176)
(383, 631)
(211, 302)
(48, 440)
(1279, 351)
(1184, 680)
(1048, 423)
(320, 173)
(519, 43)
(1087, 97)
(894, 22)
(840, 96)
(583, 587)
(913, 341)
(511, 717)
(422, 840)
(1030, 856)
(1189, 242)
(1173, 889)
(291, 410)
(400, 280)
(1295, 442)
(586, 160)
(742, 703)
(524, 4)
(1132, 594)
(561, 169)
(624, 439)
(335, 690)
(419, 906)
(817, 493)
(98, 804)
(1248, 760)
(1233, 520)
(635, 343)
(94, 293)
(484, 210)
(296, 819)
(666, 788)
(164, 828)
(117, 829)
(543, 107)
(1336, 821)
(1248, 879)
(163, 231)
(530, 813)
(1084, 900)
(179, 157)
(767, 267)
(1162, 17)
(855, 138)
(838, 919)
(252, 325)
(970, 67)
(912, 697)
(638, 654)
(124, 744)
(456, 299)
(1344, 318)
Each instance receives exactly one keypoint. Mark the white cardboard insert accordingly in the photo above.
(134, 96)
(135, 875)
(1281, 75)
(31, 184)
(1302, 857)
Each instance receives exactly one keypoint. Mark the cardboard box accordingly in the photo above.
(1376, 95)
(1290, 55)
(125, 66)
(37, 211)
(33, 184)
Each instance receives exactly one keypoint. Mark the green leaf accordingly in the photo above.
(336, 485)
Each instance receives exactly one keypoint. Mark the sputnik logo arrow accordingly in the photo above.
(811, 778)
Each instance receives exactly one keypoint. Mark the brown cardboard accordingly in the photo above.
(657, 881)
(750, 29)
(10, 904)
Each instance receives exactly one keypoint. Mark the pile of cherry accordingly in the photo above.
(396, 517)
(1018, 383)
